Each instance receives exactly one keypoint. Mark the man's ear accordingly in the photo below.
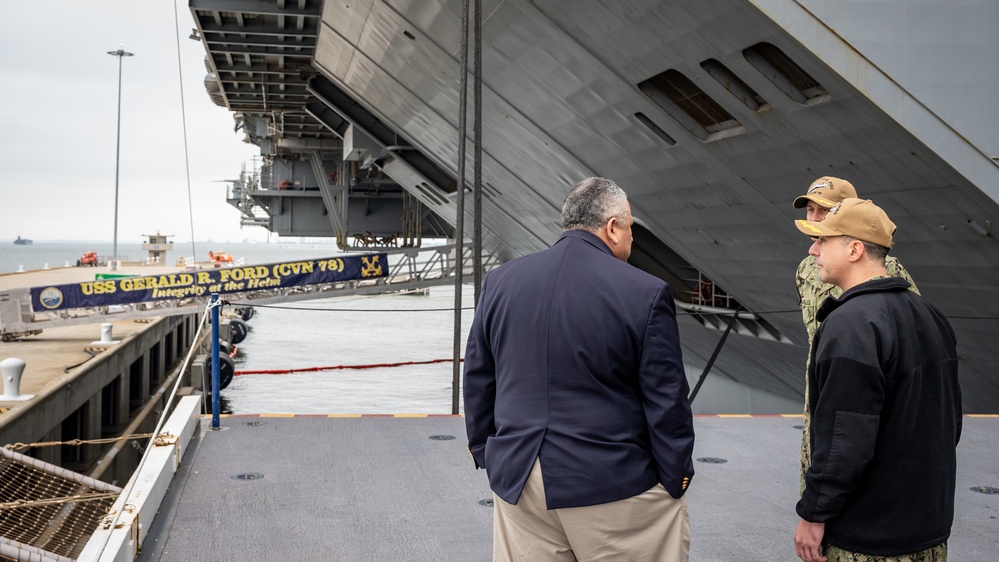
(613, 229)
(857, 250)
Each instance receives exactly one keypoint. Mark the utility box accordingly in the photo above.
(359, 146)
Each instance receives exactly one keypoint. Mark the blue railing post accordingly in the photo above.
(215, 361)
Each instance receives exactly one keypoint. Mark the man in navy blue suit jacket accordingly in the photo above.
(576, 397)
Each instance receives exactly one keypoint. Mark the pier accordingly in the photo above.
(85, 389)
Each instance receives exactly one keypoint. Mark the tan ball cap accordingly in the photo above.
(856, 218)
(826, 191)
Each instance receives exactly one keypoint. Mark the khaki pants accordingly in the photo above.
(651, 526)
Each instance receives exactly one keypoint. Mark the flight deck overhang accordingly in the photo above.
(712, 115)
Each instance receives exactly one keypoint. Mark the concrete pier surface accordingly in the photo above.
(400, 488)
(48, 355)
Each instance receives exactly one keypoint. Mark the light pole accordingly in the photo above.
(120, 53)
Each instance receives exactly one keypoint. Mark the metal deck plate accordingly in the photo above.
(381, 488)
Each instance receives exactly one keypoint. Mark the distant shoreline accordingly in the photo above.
(298, 242)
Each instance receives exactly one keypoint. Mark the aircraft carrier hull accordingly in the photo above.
(713, 115)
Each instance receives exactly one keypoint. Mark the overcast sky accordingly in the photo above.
(59, 100)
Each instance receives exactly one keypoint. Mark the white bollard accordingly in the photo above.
(46, 266)
(12, 369)
(20, 269)
(66, 265)
(106, 335)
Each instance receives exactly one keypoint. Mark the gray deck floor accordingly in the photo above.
(378, 488)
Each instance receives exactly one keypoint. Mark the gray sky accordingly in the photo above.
(59, 100)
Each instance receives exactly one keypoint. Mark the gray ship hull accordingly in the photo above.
(713, 115)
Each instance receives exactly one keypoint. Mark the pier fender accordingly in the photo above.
(245, 312)
(237, 331)
(226, 370)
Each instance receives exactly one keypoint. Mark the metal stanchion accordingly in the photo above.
(215, 361)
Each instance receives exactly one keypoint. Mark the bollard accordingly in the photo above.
(66, 264)
(20, 269)
(12, 369)
(106, 335)
(46, 266)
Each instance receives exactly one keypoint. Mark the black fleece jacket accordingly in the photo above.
(886, 419)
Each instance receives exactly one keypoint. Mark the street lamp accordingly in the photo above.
(120, 53)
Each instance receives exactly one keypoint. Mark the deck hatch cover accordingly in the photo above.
(247, 476)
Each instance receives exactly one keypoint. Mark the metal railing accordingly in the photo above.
(409, 269)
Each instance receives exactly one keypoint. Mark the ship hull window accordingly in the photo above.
(690, 106)
(785, 74)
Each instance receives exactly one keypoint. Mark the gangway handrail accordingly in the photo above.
(408, 269)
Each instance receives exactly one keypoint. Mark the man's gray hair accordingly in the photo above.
(591, 203)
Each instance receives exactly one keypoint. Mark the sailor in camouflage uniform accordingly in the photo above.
(823, 194)
(885, 402)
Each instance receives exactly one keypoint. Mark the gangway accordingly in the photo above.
(406, 269)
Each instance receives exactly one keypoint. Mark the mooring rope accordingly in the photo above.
(337, 367)
(183, 122)
(459, 223)
(77, 442)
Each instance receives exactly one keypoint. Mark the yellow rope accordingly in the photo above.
(76, 442)
(96, 496)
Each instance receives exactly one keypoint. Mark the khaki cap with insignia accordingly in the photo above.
(826, 191)
(856, 218)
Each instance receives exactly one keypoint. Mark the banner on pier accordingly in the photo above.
(202, 283)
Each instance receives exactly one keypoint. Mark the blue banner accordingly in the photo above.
(193, 284)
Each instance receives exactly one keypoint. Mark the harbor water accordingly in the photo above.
(345, 331)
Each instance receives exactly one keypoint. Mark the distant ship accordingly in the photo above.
(22, 241)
